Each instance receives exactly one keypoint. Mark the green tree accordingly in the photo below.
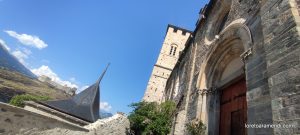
(150, 118)
(19, 100)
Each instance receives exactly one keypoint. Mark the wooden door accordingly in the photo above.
(233, 109)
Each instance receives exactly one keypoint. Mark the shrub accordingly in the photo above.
(196, 127)
(150, 118)
(18, 100)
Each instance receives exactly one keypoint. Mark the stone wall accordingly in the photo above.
(15, 120)
(280, 21)
(265, 35)
(178, 86)
(173, 44)
(116, 125)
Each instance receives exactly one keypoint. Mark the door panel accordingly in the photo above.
(233, 109)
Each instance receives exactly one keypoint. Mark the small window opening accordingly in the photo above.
(171, 50)
(222, 24)
(174, 51)
(174, 30)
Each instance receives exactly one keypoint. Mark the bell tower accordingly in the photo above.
(173, 44)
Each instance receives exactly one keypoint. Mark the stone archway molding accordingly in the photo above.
(235, 40)
(235, 30)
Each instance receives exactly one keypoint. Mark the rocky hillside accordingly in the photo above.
(13, 83)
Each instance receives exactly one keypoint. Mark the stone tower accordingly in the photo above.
(173, 44)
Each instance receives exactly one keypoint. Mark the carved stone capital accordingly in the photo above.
(246, 54)
(211, 90)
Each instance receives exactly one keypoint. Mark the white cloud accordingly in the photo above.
(2, 42)
(105, 106)
(82, 88)
(72, 79)
(27, 51)
(21, 56)
(45, 70)
(29, 40)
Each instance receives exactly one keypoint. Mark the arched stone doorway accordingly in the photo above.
(223, 80)
(228, 98)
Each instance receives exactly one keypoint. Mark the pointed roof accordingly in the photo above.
(84, 105)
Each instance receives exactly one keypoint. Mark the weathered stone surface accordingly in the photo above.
(172, 47)
(270, 29)
(14, 124)
(19, 121)
(116, 125)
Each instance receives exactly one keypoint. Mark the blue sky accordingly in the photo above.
(73, 40)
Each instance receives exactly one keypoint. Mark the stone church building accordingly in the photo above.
(239, 67)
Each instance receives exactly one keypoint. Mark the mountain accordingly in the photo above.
(16, 79)
(14, 83)
(9, 62)
(104, 115)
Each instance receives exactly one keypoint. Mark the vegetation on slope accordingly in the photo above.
(151, 118)
(19, 100)
(13, 83)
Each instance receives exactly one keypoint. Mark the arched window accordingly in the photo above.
(174, 52)
(173, 49)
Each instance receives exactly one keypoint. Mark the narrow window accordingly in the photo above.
(222, 24)
(184, 33)
(171, 50)
(174, 51)
(174, 30)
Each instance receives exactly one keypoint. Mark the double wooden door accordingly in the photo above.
(233, 109)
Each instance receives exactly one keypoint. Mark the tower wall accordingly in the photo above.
(173, 44)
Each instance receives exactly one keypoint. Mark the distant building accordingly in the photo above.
(241, 65)
(65, 88)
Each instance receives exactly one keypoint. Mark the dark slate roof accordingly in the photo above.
(84, 105)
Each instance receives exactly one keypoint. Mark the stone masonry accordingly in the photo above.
(18, 121)
(172, 46)
(258, 40)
